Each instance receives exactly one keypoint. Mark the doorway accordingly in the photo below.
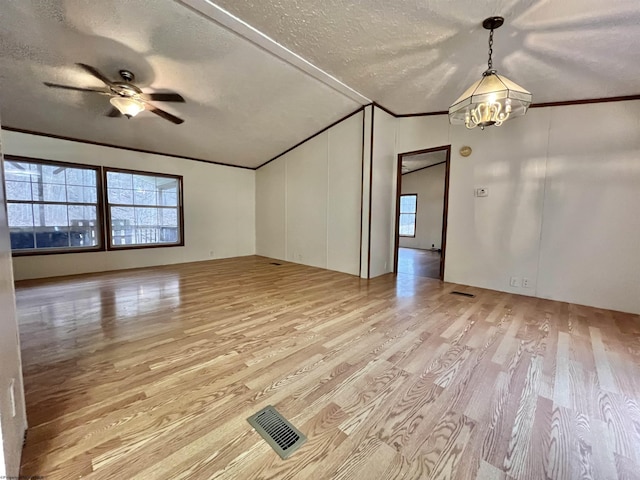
(422, 200)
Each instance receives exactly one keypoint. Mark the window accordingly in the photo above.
(143, 209)
(53, 207)
(408, 209)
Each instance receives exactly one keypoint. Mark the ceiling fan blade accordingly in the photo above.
(163, 114)
(114, 113)
(162, 97)
(96, 73)
(79, 89)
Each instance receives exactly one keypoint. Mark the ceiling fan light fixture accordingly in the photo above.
(491, 100)
(128, 106)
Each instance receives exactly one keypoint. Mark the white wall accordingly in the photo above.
(383, 202)
(562, 210)
(11, 428)
(219, 208)
(428, 184)
(590, 244)
(308, 201)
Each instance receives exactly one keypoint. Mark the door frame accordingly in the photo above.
(445, 209)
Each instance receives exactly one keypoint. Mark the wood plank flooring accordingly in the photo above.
(423, 263)
(151, 374)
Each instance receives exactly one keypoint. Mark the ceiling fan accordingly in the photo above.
(127, 99)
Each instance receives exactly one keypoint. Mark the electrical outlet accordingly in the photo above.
(514, 282)
(526, 283)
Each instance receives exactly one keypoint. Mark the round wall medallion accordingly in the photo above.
(465, 151)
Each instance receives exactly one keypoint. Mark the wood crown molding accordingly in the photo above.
(120, 147)
(585, 101)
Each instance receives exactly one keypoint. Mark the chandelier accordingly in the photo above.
(494, 98)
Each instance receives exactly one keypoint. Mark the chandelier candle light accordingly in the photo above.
(494, 98)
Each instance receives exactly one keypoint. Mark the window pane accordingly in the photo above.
(149, 212)
(146, 217)
(54, 193)
(144, 188)
(83, 223)
(56, 216)
(407, 224)
(59, 224)
(121, 196)
(74, 176)
(18, 190)
(53, 174)
(408, 203)
(168, 198)
(20, 215)
(122, 223)
(119, 187)
(52, 238)
(168, 217)
(78, 194)
(17, 171)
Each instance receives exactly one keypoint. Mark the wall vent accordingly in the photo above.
(463, 294)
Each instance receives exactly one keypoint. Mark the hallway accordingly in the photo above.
(421, 263)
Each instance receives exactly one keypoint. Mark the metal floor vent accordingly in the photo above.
(283, 437)
(464, 294)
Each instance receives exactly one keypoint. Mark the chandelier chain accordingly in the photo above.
(490, 62)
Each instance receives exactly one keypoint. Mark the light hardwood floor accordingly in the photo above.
(423, 263)
(151, 374)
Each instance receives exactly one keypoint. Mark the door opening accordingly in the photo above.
(422, 199)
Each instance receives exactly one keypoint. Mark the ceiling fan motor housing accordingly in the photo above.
(127, 76)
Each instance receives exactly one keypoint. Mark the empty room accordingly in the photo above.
(320, 240)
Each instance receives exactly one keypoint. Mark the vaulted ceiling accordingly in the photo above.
(418, 56)
(243, 104)
(249, 99)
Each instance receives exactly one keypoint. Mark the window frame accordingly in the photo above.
(100, 223)
(415, 215)
(107, 209)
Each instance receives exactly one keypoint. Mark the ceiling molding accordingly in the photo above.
(385, 109)
(222, 17)
(564, 103)
(100, 144)
(625, 98)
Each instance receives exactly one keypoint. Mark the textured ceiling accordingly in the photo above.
(244, 105)
(414, 56)
(411, 163)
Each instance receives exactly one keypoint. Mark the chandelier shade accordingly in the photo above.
(491, 100)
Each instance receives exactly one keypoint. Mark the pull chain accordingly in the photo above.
(490, 63)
